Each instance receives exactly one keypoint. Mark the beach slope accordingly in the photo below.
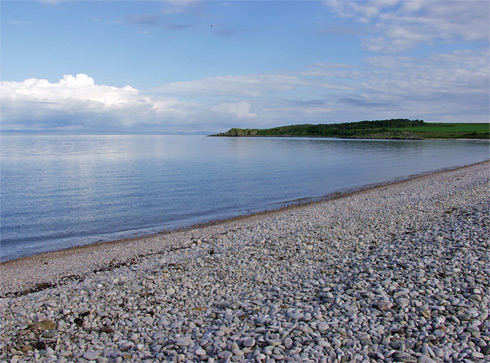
(397, 272)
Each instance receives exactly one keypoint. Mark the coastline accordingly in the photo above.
(396, 272)
(90, 223)
(355, 138)
(105, 255)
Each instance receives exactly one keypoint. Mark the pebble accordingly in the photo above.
(125, 346)
(322, 327)
(90, 355)
(425, 359)
(249, 342)
(225, 354)
(439, 352)
(383, 305)
(288, 343)
(402, 302)
(295, 315)
(404, 357)
(200, 352)
(397, 273)
(477, 355)
(182, 342)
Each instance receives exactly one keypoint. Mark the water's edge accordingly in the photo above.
(298, 203)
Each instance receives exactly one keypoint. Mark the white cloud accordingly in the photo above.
(17, 22)
(450, 87)
(180, 6)
(239, 109)
(52, 2)
(40, 102)
(403, 25)
(253, 85)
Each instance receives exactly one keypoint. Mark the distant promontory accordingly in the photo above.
(379, 129)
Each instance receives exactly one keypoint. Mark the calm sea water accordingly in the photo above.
(63, 191)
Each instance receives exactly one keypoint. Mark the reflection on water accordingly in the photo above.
(60, 191)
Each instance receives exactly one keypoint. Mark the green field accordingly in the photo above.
(379, 129)
(451, 131)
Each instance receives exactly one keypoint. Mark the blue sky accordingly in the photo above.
(207, 66)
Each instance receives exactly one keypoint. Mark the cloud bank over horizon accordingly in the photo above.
(77, 103)
(348, 61)
(442, 88)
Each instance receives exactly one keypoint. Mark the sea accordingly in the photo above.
(60, 191)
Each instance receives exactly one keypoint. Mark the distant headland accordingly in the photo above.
(402, 129)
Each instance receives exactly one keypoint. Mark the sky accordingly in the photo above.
(206, 66)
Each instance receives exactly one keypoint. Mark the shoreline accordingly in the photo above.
(297, 203)
(354, 138)
(105, 255)
(397, 272)
(165, 242)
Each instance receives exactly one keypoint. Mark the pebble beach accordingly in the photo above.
(396, 273)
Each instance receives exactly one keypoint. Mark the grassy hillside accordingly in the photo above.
(379, 129)
(452, 130)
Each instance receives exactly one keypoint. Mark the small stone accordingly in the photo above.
(400, 293)
(439, 333)
(295, 315)
(476, 322)
(322, 327)
(249, 342)
(438, 352)
(398, 345)
(91, 355)
(426, 359)
(464, 317)
(326, 295)
(405, 357)
(225, 354)
(274, 342)
(124, 346)
(182, 342)
(200, 352)
(402, 302)
(474, 330)
(177, 324)
(477, 355)
(170, 291)
(476, 297)
(377, 355)
(323, 343)
(49, 334)
(383, 305)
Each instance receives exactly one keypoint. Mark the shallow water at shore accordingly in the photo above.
(62, 191)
